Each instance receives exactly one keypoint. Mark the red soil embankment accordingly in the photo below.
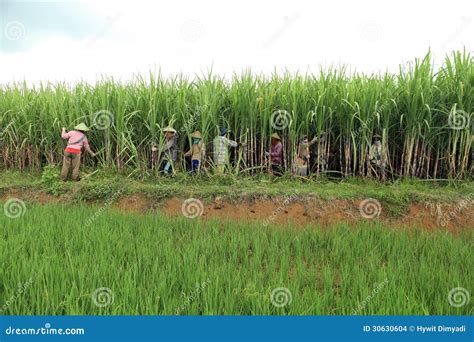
(282, 210)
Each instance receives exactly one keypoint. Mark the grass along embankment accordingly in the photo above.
(311, 202)
(149, 264)
(100, 184)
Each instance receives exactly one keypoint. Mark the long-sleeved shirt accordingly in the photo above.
(221, 146)
(276, 153)
(170, 149)
(303, 150)
(197, 151)
(76, 140)
(377, 154)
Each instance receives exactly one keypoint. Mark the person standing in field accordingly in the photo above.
(169, 151)
(72, 154)
(303, 156)
(221, 150)
(197, 152)
(154, 155)
(378, 157)
(276, 155)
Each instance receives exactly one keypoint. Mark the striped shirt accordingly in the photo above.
(221, 147)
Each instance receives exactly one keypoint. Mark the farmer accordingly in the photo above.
(72, 154)
(197, 152)
(169, 151)
(303, 156)
(276, 155)
(221, 153)
(378, 157)
(154, 155)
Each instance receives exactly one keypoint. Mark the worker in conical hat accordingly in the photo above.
(302, 160)
(197, 151)
(276, 155)
(221, 146)
(169, 151)
(77, 140)
(378, 156)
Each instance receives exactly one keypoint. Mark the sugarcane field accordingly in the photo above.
(291, 194)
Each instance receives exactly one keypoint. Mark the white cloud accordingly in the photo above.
(192, 36)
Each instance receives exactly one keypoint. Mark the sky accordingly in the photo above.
(70, 41)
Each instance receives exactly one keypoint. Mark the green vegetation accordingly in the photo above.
(424, 117)
(59, 256)
(102, 184)
(154, 265)
(50, 180)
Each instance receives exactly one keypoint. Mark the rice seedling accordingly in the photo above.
(155, 265)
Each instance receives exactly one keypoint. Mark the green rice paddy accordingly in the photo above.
(129, 264)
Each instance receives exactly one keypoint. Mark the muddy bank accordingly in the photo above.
(282, 210)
